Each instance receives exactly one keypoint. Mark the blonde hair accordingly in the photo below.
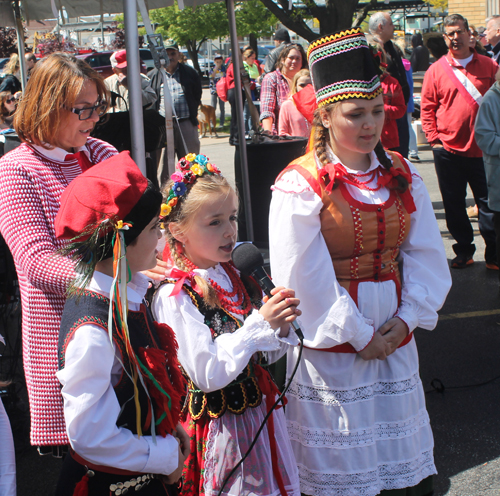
(295, 80)
(183, 214)
(52, 90)
(322, 138)
(12, 65)
(248, 53)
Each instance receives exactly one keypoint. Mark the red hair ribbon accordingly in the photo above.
(182, 276)
(333, 171)
(389, 176)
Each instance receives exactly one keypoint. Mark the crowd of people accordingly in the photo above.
(146, 351)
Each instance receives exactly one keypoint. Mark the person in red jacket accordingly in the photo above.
(394, 105)
(452, 90)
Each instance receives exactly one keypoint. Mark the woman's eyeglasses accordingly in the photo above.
(86, 113)
(10, 100)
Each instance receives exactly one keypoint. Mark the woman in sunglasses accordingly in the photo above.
(61, 105)
(8, 104)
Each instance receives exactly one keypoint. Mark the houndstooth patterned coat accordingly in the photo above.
(31, 185)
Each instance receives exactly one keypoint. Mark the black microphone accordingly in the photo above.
(249, 261)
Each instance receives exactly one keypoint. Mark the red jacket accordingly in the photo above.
(394, 107)
(446, 116)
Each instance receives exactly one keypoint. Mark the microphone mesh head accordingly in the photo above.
(247, 257)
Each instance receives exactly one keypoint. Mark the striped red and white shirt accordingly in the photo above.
(32, 181)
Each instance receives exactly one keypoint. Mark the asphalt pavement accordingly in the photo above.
(459, 364)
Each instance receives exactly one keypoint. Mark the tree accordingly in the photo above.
(332, 16)
(8, 42)
(191, 27)
(254, 20)
(441, 5)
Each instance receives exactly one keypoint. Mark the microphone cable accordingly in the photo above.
(256, 437)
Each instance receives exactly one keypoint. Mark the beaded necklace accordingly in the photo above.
(337, 172)
(239, 289)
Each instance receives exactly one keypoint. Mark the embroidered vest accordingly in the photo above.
(363, 239)
(242, 393)
(145, 334)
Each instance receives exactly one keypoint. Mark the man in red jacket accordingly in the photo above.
(451, 94)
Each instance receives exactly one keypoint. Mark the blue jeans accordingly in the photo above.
(221, 108)
(454, 172)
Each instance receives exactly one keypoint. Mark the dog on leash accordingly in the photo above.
(206, 118)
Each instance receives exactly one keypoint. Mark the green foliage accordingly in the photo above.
(190, 24)
(441, 5)
(253, 18)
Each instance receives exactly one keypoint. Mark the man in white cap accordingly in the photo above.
(117, 83)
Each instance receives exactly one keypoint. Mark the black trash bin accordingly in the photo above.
(266, 160)
(11, 141)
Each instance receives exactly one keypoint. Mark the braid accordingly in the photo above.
(387, 164)
(320, 138)
(209, 294)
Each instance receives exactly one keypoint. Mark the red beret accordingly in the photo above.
(106, 190)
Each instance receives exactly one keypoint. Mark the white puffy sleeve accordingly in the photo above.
(426, 277)
(300, 260)
(212, 364)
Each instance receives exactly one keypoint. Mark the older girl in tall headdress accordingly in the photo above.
(344, 217)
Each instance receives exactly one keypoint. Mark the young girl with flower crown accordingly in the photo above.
(225, 338)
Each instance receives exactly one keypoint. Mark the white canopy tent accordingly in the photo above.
(49, 9)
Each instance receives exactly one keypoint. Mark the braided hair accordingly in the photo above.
(322, 137)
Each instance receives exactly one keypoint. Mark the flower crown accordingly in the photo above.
(188, 170)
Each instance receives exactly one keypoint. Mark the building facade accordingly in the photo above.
(475, 11)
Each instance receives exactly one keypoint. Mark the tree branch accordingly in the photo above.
(363, 13)
(296, 25)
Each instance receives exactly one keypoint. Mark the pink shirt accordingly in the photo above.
(292, 122)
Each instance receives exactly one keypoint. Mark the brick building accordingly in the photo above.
(475, 11)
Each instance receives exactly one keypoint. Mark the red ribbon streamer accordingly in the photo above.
(391, 175)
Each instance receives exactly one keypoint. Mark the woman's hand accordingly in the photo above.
(159, 273)
(394, 331)
(281, 309)
(376, 348)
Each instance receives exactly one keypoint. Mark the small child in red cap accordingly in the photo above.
(121, 381)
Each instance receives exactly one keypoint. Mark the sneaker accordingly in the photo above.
(413, 158)
(461, 261)
(492, 265)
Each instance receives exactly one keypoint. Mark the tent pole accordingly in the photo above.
(236, 59)
(20, 44)
(134, 84)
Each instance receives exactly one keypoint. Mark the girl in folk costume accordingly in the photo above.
(344, 219)
(121, 382)
(223, 338)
